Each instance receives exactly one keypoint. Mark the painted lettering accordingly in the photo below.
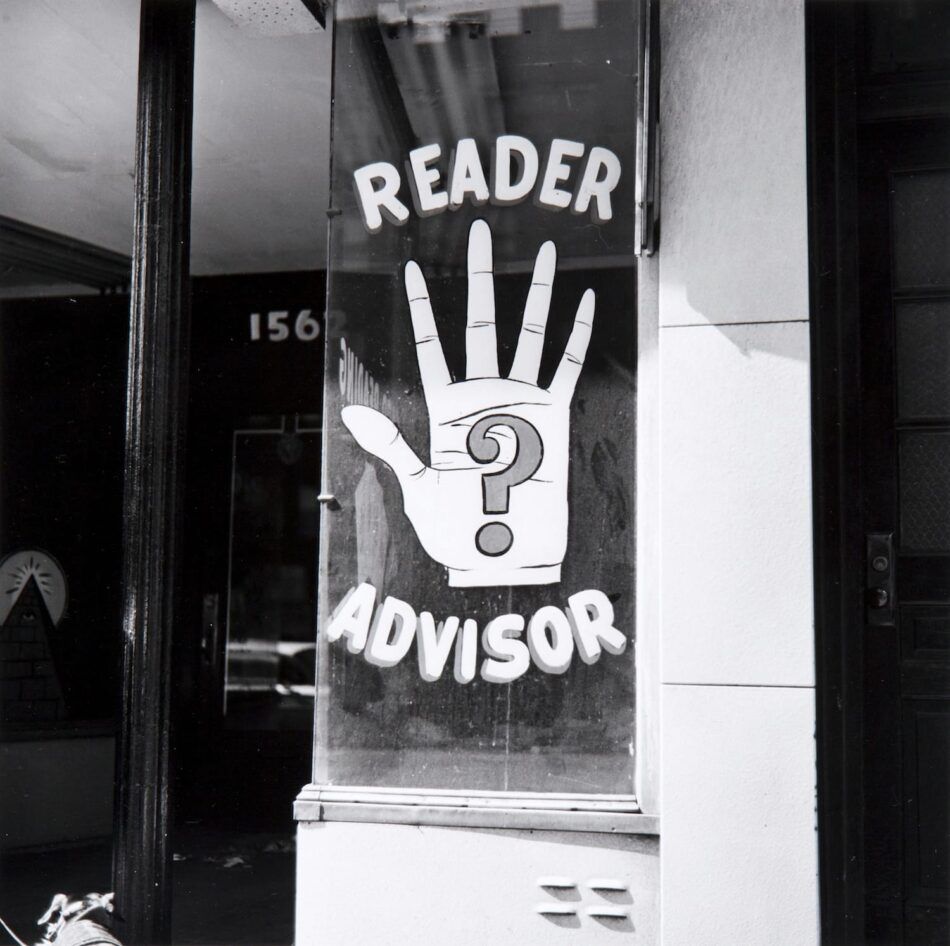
(556, 172)
(357, 385)
(467, 176)
(422, 180)
(515, 174)
(592, 619)
(510, 148)
(376, 203)
(508, 657)
(391, 634)
(552, 655)
(594, 186)
(466, 655)
(351, 619)
(433, 644)
(384, 634)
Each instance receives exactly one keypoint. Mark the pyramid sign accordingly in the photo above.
(33, 592)
(17, 569)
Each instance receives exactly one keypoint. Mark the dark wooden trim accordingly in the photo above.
(833, 207)
(157, 370)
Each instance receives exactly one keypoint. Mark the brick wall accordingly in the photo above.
(29, 688)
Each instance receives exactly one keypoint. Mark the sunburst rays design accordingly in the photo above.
(16, 572)
(21, 575)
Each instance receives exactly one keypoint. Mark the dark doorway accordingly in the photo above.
(245, 695)
(880, 192)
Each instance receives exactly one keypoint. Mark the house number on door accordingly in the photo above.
(277, 326)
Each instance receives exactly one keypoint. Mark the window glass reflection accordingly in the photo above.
(68, 73)
(426, 95)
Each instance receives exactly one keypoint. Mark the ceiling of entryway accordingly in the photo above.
(261, 128)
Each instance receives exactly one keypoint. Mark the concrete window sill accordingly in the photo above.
(613, 814)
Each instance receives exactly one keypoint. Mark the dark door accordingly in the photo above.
(246, 663)
(904, 238)
(879, 118)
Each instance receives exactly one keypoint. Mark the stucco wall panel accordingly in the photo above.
(739, 851)
(467, 886)
(736, 505)
(733, 176)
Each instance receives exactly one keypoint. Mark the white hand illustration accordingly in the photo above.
(491, 505)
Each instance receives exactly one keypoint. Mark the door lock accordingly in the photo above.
(879, 579)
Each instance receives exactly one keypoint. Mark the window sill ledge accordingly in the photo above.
(611, 814)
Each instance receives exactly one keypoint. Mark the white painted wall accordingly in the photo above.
(55, 790)
(738, 845)
(393, 885)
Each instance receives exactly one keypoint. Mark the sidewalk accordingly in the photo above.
(228, 890)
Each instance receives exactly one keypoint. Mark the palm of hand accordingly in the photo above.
(446, 500)
(462, 404)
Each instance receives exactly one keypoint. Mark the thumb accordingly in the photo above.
(378, 435)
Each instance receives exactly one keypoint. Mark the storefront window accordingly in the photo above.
(68, 73)
(245, 639)
(477, 549)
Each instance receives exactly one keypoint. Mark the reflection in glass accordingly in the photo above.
(68, 73)
(271, 591)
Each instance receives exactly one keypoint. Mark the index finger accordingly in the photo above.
(432, 368)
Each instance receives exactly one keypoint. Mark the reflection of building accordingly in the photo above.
(756, 449)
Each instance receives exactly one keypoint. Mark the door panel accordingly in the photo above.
(904, 236)
(879, 162)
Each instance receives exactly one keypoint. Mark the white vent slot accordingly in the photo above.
(558, 883)
(606, 883)
(555, 909)
(607, 913)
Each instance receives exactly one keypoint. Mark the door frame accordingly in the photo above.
(831, 115)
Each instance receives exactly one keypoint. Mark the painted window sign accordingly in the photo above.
(513, 178)
(477, 584)
(489, 437)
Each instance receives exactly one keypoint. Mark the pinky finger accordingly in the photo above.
(572, 361)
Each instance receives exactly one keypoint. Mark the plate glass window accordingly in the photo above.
(477, 562)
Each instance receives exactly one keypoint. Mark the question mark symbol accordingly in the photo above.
(495, 538)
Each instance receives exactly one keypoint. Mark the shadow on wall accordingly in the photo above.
(734, 245)
(781, 337)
